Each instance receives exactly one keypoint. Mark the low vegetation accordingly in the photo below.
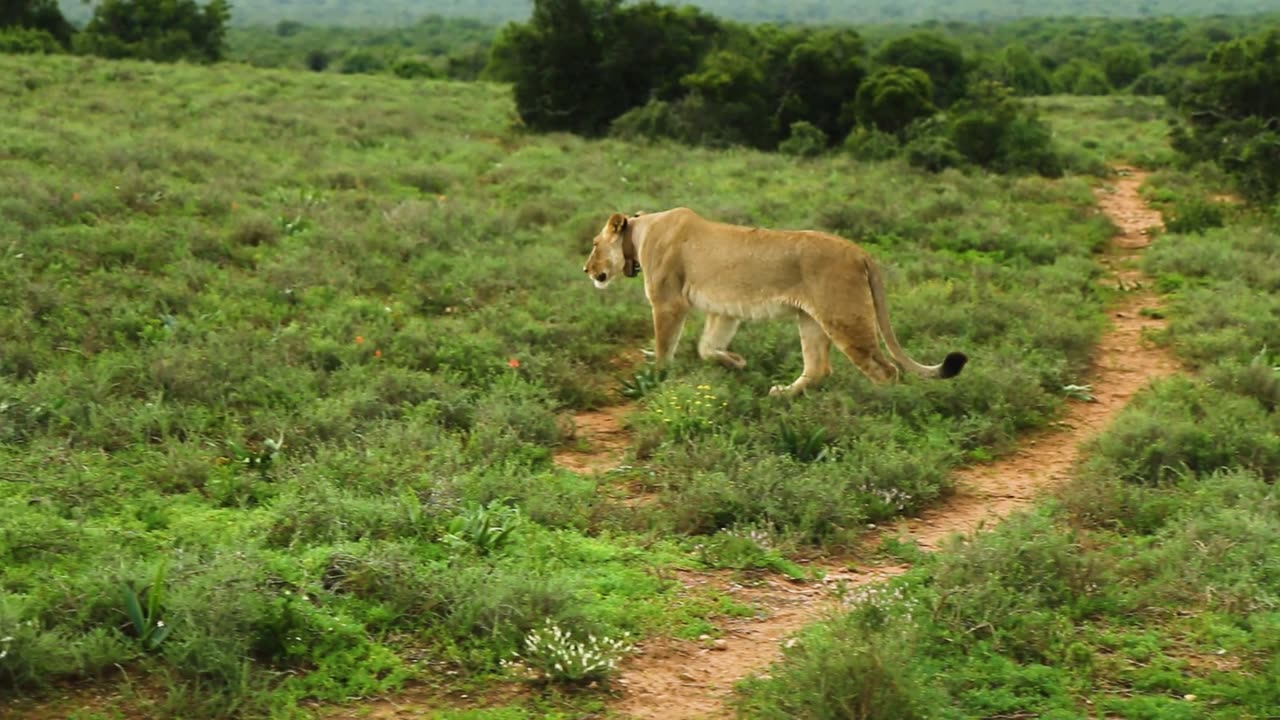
(290, 354)
(1148, 589)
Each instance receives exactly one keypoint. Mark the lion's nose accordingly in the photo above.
(602, 277)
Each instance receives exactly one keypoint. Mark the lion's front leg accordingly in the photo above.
(668, 324)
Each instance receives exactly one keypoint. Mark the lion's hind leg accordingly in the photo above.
(861, 344)
(716, 336)
(816, 347)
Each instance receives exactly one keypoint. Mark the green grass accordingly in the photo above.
(1098, 131)
(261, 334)
(1149, 588)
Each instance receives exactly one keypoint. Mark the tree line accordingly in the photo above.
(164, 30)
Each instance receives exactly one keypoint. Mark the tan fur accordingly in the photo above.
(732, 273)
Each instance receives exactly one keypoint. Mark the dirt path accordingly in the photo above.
(675, 680)
(600, 439)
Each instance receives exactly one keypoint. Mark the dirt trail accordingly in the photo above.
(601, 439)
(675, 680)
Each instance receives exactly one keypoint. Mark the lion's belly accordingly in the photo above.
(743, 309)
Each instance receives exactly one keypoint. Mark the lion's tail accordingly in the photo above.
(950, 366)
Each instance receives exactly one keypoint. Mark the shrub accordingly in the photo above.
(933, 152)
(1195, 215)
(28, 41)
(414, 67)
(871, 145)
(806, 140)
(844, 670)
(559, 656)
(1184, 427)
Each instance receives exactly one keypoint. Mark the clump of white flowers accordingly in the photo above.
(558, 656)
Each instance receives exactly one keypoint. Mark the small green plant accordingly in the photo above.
(687, 411)
(643, 382)
(557, 656)
(486, 529)
(805, 444)
(144, 608)
(746, 548)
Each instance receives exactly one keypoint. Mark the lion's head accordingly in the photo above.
(612, 253)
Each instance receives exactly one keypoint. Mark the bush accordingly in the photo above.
(870, 144)
(1195, 215)
(806, 140)
(996, 131)
(844, 670)
(933, 152)
(1184, 427)
(415, 67)
(361, 62)
(28, 41)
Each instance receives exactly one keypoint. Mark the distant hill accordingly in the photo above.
(395, 12)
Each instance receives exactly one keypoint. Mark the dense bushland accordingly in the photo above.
(1233, 115)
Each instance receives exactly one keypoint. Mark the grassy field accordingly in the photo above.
(1149, 587)
(288, 354)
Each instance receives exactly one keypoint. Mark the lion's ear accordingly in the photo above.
(617, 223)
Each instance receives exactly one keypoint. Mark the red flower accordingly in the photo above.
(513, 363)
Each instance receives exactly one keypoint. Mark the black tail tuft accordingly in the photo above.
(952, 366)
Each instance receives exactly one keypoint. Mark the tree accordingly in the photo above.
(1081, 77)
(1232, 113)
(651, 47)
(163, 30)
(553, 62)
(1022, 71)
(578, 64)
(733, 91)
(816, 80)
(993, 129)
(1125, 63)
(894, 97)
(37, 15)
(940, 58)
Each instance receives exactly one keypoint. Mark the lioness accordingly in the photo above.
(734, 273)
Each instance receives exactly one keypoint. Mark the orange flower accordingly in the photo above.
(377, 354)
(513, 363)
(359, 339)
(75, 196)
